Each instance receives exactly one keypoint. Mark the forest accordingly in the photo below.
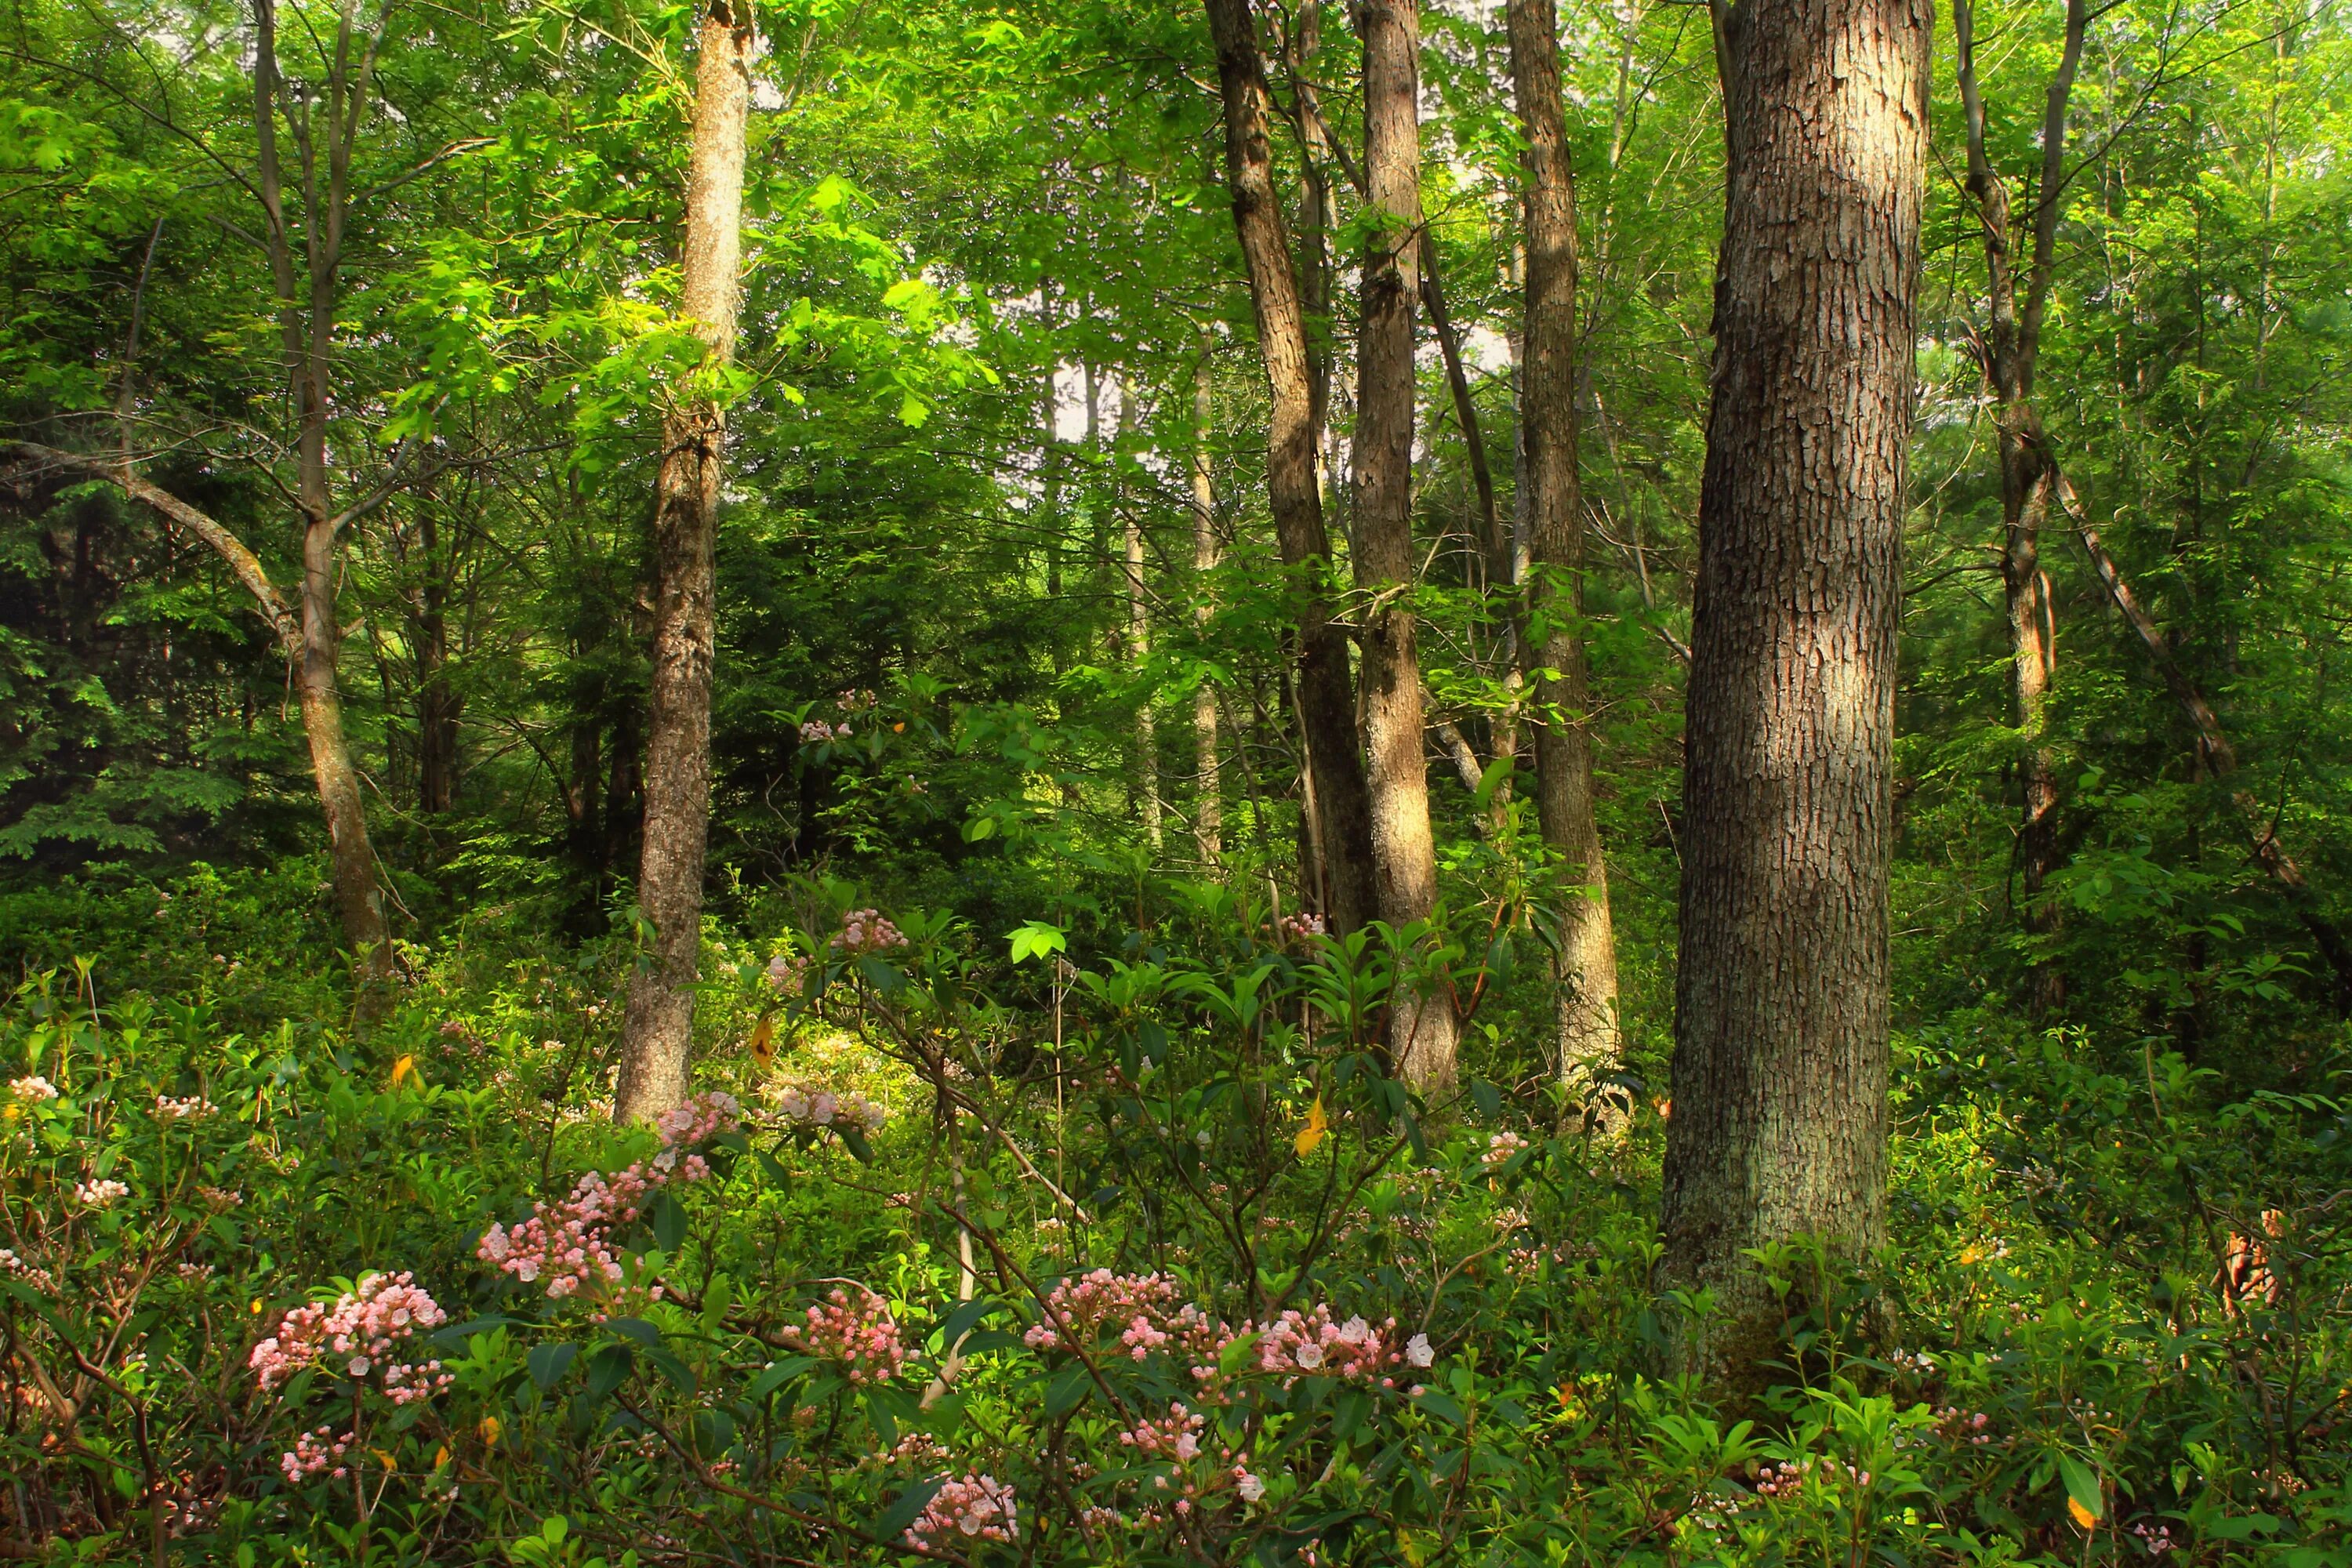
(1484, 783)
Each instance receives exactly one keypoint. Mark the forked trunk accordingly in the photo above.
(1778, 1116)
(1327, 702)
(657, 1038)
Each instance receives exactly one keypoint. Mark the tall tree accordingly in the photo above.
(1554, 663)
(1208, 805)
(657, 1038)
(1327, 702)
(1139, 634)
(2018, 295)
(1778, 1113)
(1421, 1026)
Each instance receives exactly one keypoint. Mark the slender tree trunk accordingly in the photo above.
(439, 705)
(657, 1037)
(1208, 805)
(1778, 1115)
(1587, 1006)
(2220, 758)
(1326, 701)
(1404, 861)
(2012, 346)
(1139, 649)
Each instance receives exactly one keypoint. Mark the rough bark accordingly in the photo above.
(657, 1037)
(1778, 1114)
(2009, 349)
(1554, 650)
(1208, 805)
(1421, 1025)
(1327, 702)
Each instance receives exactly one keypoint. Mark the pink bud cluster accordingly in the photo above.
(786, 972)
(1176, 1435)
(567, 1244)
(1959, 1426)
(1303, 1342)
(977, 1507)
(317, 1453)
(868, 930)
(816, 732)
(359, 1329)
(1077, 1309)
(823, 1108)
(1298, 927)
(855, 1334)
(194, 1105)
(1500, 1147)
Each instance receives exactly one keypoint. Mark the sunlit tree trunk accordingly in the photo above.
(1778, 1114)
(1208, 805)
(1327, 704)
(1404, 863)
(2018, 300)
(657, 1038)
(1587, 1006)
(1139, 649)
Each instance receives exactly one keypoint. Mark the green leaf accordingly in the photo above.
(961, 1320)
(1038, 940)
(669, 1221)
(2083, 1486)
(609, 1368)
(550, 1362)
(1069, 1390)
(776, 1374)
(909, 1505)
(1441, 1405)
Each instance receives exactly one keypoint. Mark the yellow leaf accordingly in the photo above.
(383, 1458)
(1312, 1133)
(404, 1072)
(489, 1431)
(764, 1040)
(441, 1458)
(2082, 1516)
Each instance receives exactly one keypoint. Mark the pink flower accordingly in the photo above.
(857, 1335)
(977, 1507)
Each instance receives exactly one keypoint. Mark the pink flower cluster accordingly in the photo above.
(1077, 1308)
(816, 732)
(823, 1108)
(786, 972)
(1301, 1343)
(360, 1328)
(1298, 927)
(194, 1105)
(1176, 1435)
(569, 1244)
(316, 1453)
(977, 1507)
(102, 1194)
(858, 1335)
(33, 1088)
(868, 930)
(1500, 1147)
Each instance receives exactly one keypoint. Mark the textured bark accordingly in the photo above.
(657, 1035)
(2219, 757)
(1208, 805)
(1327, 704)
(2010, 347)
(1421, 1026)
(1778, 1115)
(1554, 653)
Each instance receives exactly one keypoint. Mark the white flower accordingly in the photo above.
(360, 1365)
(1311, 1355)
(1418, 1350)
(1354, 1332)
(100, 1195)
(1251, 1488)
(33, 1087)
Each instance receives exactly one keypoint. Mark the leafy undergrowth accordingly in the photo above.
(977, 1256)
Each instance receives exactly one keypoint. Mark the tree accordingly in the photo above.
(1208, 806)
(1327, 702)
(658, 1031)
(1779, 1122)
(1554, 665)
(2018, 288)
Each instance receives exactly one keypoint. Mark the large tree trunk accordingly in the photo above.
(2012, 346)
(1404, 862)
(1555, 594)
(1208, 803)
(658, 1034)
(1779, 1117)
(1327, 702)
